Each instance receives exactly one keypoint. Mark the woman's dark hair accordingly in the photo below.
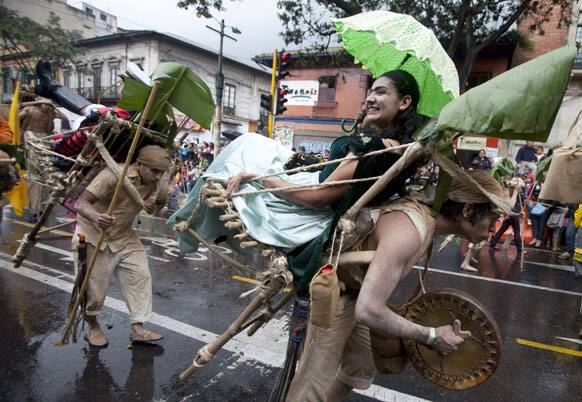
(408, 121)
(452, 210)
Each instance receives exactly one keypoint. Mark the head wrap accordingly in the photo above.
(474, 186)
(154, 157)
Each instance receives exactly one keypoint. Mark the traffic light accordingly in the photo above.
(281, 100)
(283, 65)
(267, 102)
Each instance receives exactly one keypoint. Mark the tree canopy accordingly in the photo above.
(27, 40)
(466, 26)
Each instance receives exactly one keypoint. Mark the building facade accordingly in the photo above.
(88, 20)
(95, 75)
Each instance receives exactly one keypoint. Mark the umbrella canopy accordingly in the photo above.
(384, 41)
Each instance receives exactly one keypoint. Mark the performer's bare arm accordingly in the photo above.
(397, 241)
(85, 207)
(314, 198)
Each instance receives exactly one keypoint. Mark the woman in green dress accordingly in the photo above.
(300, 221)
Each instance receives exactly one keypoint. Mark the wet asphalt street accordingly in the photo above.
(196, 297)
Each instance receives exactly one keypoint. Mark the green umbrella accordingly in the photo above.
(384, 41)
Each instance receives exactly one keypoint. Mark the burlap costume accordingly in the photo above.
(121, 252)
(344, 350)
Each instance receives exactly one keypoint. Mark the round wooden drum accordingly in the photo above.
(475, 360)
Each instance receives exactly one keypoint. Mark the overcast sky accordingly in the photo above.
(257, 19)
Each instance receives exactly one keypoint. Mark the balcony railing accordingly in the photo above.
(99, 95)
(228, 110)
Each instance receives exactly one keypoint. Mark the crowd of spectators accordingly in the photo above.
(191, 159)
(552, 222)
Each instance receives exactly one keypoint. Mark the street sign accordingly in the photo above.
(302, 92)
(471, 143)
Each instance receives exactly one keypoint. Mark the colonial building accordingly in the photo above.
(95, 75)
(88, 20)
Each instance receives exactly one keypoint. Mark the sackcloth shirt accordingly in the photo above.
(121, 251)
(344, 350)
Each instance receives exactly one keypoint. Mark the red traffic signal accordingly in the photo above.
(281, 100)
(283, 65)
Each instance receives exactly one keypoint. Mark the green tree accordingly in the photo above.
(25, 41)
(466, 26)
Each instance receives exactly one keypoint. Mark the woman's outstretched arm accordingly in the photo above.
(313, 198)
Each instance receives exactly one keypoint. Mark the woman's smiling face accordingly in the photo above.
(383, 103)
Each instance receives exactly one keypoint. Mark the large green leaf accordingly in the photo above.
(502, 170)
(521, 103)
(185, 91)
(135, 94)
(179, 88)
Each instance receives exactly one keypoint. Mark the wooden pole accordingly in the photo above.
(406, 159)
(205, 354)
(65, 337)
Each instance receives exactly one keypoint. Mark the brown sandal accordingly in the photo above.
(148, 338)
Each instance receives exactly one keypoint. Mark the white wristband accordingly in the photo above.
(431, 336)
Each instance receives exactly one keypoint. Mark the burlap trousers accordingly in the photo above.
(130, 266)
(343, 351)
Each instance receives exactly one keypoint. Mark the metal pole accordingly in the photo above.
(273, 99)
(219, 89)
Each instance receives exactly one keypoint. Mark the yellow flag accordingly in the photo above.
(19, 195)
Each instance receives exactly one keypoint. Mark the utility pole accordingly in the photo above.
(220, 83)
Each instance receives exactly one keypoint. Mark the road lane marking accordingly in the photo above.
(568, 268)
(260, 350)
(486, 279)
(578, 341)
(158, 258)
(552, 348)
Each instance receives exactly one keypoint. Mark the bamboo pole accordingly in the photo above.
(60, 225)
(206, 353)
(65, 337)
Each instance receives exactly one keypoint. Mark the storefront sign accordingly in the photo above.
(301, 93)
(190, 125)
(471, 143)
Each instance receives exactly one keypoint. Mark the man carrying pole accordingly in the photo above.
(121, 250)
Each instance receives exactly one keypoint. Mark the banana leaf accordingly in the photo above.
(520, 104)
(135, 94)
(185, 91)
(179, 88)
(503, 169)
